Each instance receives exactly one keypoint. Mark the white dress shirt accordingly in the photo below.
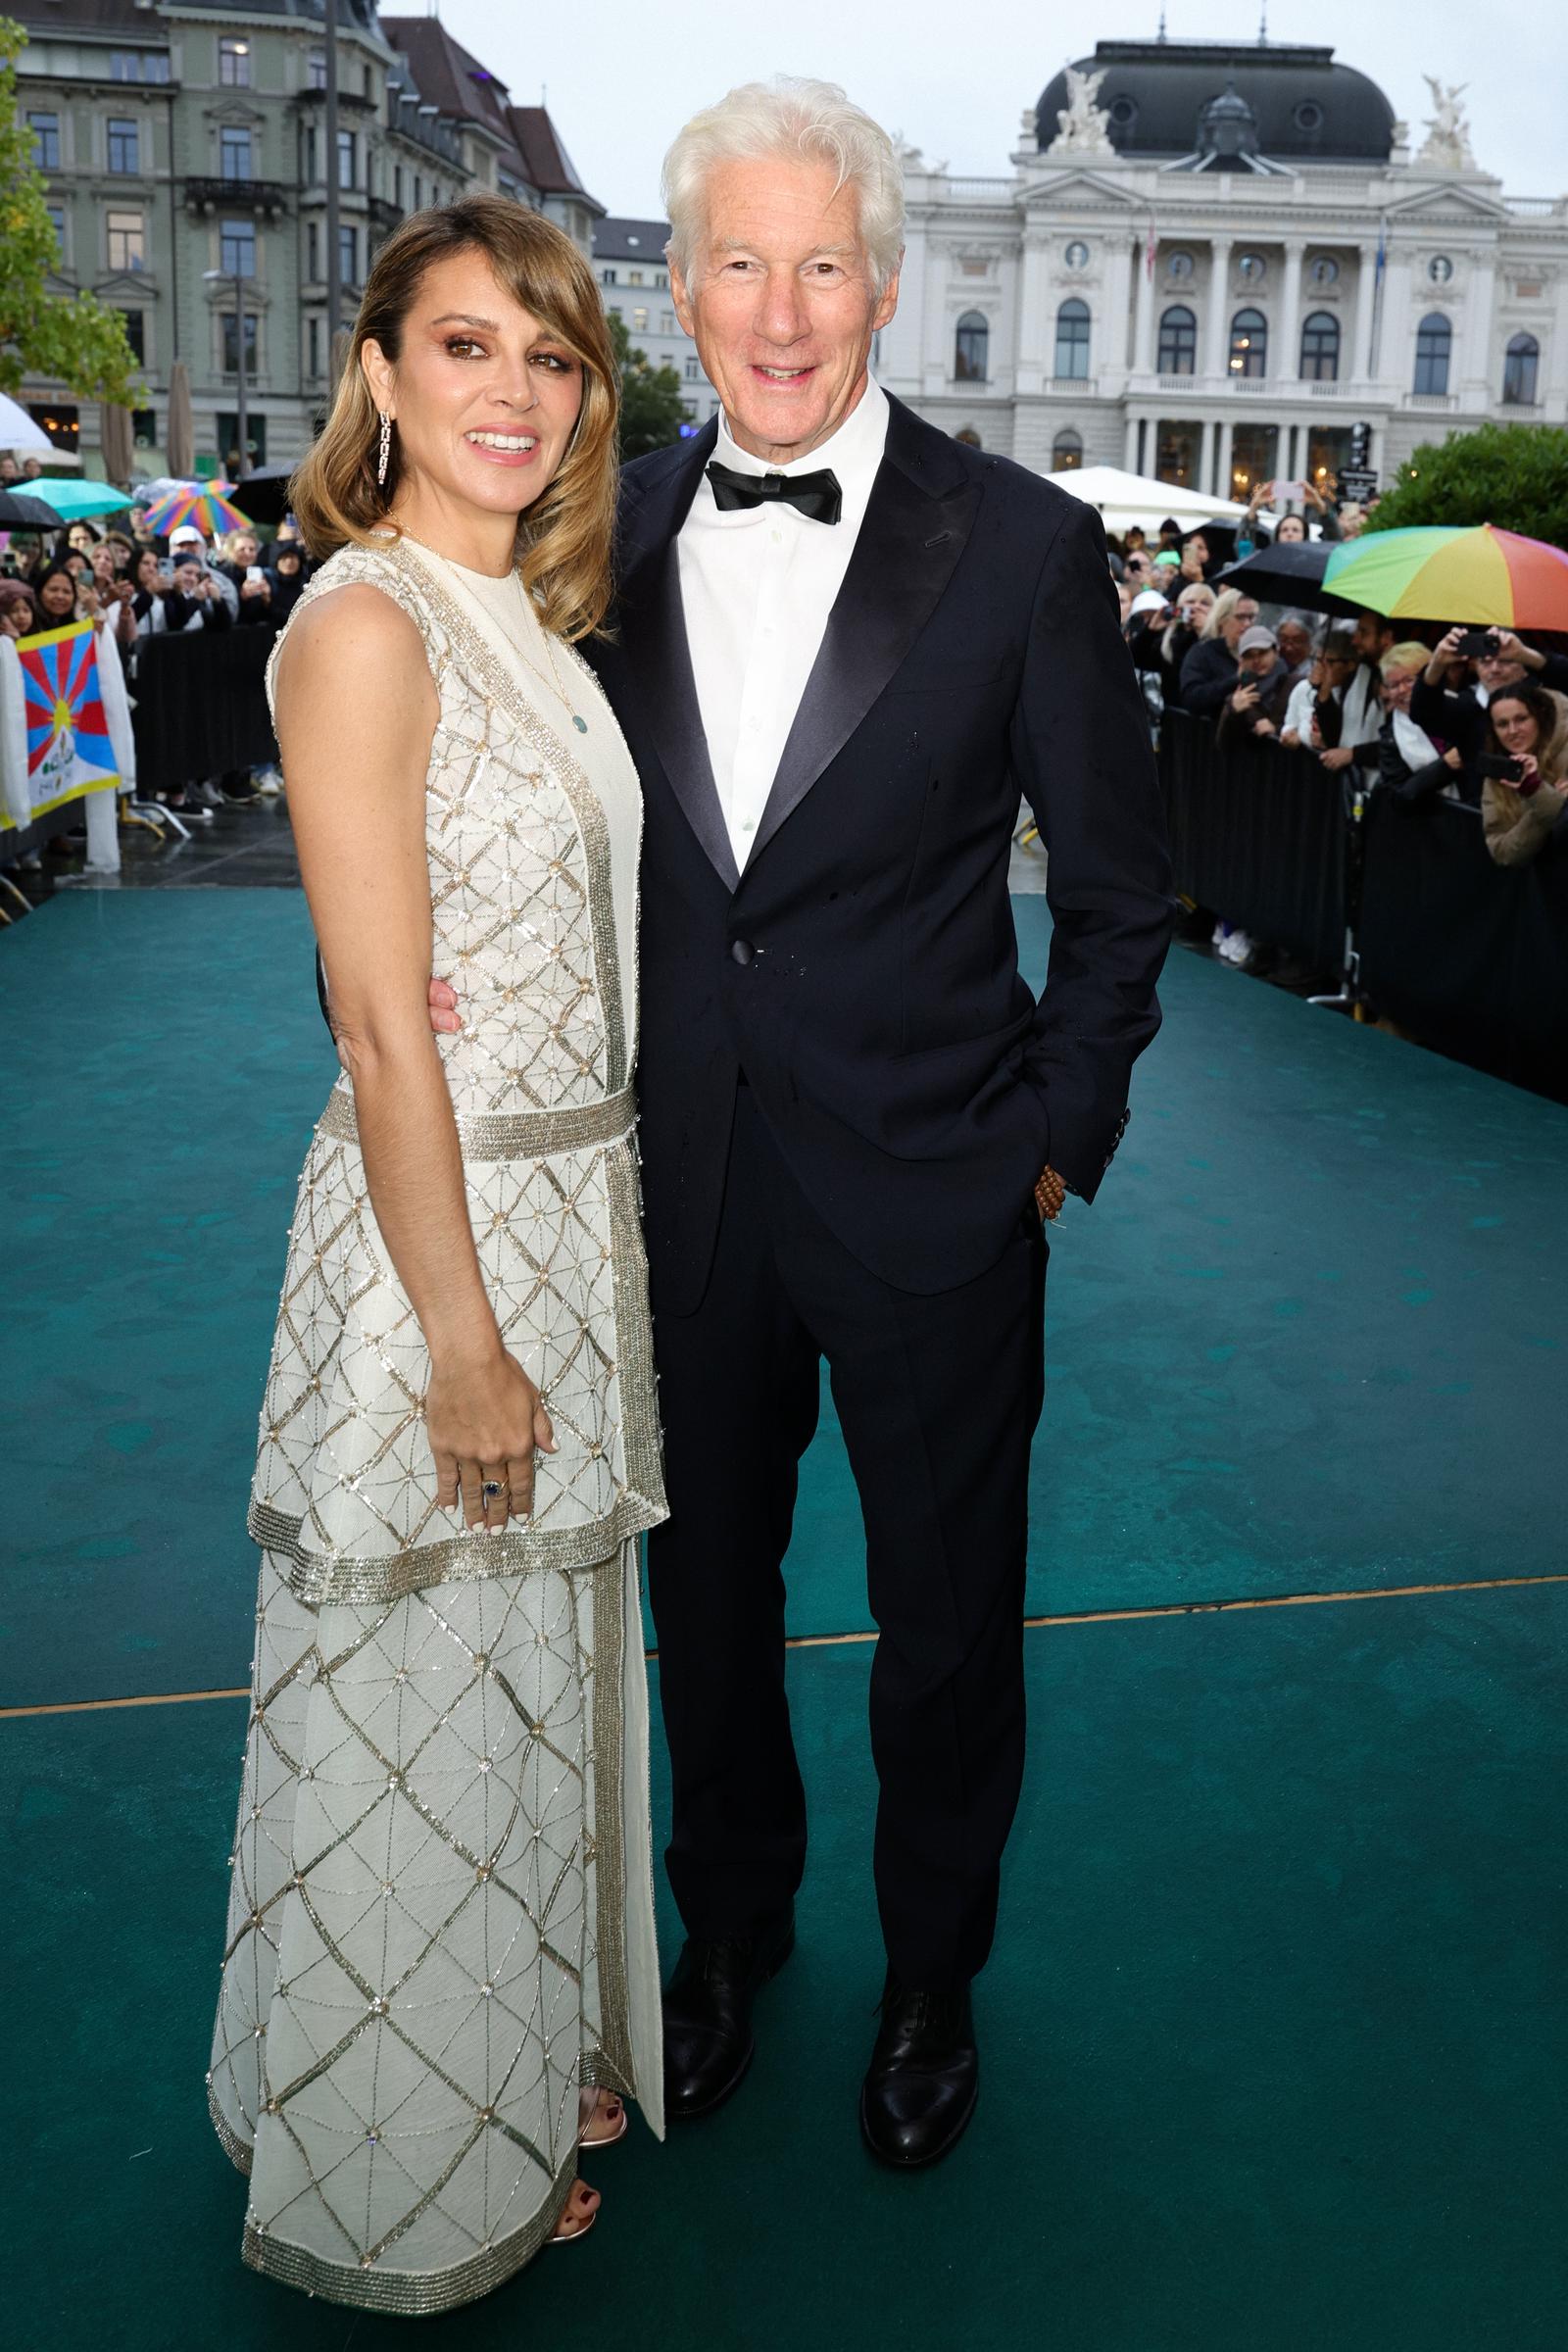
(757, 585)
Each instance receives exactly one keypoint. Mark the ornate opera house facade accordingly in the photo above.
(1211, 263)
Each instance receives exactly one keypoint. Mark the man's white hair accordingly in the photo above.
(798, 119)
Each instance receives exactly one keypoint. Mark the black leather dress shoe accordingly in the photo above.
(708, 2014)
(925, 2077)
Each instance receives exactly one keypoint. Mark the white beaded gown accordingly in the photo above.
(441, 1916)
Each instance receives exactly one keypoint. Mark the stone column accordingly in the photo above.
(1473, 346)
(1355, 324)
(1222, 457)
(1129, 455)
(1217, 335)
(1288, 318)
(1112, 305)
(1033, 357)
(1205, 454)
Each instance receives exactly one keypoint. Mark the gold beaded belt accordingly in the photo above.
(510, 1135)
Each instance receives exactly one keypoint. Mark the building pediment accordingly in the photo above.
(1446, 208)
(1081, 187)
(234, 110)
(126, 288)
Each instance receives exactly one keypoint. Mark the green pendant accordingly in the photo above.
(581, 724)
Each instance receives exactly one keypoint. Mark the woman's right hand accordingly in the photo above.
(484, 1419)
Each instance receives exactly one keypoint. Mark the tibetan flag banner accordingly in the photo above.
(62, 747)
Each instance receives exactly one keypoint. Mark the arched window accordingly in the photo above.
(1066, 451)
(1321, 348)
(1248, 343)
(1178, 341)
(1072, 340)
(1434, 341)
(1520, 367)
(971, 349)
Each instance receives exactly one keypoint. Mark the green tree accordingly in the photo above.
(652, 405)
(75, 338)
(1512, 475)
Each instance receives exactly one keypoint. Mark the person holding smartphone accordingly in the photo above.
(241, 565)
(1524, 770)
(1457, 713)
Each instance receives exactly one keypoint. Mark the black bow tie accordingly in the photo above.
(817, 494)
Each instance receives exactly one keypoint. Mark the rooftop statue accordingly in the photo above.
(1447, 140)
(1083, 128)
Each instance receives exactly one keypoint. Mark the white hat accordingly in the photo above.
(1149, 600)
(184, 531)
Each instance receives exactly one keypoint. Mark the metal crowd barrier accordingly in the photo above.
(1400, 901)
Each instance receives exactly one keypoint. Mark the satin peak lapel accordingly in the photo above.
(907, 549)
(652, 626)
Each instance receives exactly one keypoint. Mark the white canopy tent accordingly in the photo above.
(1124, 499)
(18, 432)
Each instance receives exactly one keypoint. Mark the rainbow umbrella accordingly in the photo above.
(1484, 577)
(203, 506)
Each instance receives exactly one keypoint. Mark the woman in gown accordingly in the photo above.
(439, 1975)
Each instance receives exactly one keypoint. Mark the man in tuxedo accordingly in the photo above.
(842, 644)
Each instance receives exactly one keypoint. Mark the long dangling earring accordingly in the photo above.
(384, 456)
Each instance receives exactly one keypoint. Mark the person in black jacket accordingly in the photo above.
(1210, 668)
(195, 601)
(842, 643)
(1402, 757)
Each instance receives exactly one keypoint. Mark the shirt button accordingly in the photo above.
(777, 538)
(750, 826)
(741, 951)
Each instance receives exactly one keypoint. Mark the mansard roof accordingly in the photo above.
(1308, 109)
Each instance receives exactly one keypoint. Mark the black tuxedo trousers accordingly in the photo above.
(937, 1396)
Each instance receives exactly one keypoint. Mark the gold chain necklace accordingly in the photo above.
(555, 678)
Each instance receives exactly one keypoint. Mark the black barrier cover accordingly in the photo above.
(201, 705)
(1259, 836)
(1468, 955)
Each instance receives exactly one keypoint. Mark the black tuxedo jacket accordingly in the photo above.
(863, 971)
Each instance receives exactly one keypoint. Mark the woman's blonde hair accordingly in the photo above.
(1408, 656)
(1192, 589)
(1223, 606)
(565, 539)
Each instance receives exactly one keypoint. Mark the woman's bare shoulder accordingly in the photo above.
(352, 614)
(354, 640)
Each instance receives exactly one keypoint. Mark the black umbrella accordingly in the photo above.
(19, 512)
(263, 493)
(1288, 574)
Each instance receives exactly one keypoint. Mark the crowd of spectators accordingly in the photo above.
(1474, 717)
(132, 586)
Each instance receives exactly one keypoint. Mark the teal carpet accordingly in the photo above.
(1296, 1345)
(1274, 2041)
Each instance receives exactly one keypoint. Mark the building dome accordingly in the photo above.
(1168, 99)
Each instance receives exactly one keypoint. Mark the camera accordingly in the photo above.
(1499, 765)
(1476, 644)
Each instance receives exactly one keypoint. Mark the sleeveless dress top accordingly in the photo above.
(533, 829)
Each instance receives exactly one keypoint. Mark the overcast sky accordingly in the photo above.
(622, 74)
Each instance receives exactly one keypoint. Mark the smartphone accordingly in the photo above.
(1290, 494)
(254, 571)
(1476, 642)
(1498, 764)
